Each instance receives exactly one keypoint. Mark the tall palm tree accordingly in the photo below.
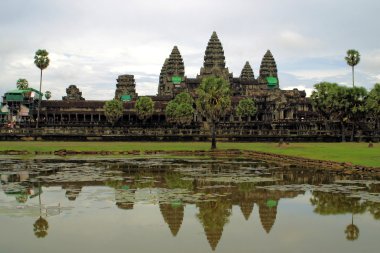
(41, 60)
(352, 231)
(352, 59)
(213, 102)
(22, 84)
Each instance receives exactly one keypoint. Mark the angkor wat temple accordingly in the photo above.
(281, 113)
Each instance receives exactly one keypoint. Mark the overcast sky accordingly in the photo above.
(91, 42)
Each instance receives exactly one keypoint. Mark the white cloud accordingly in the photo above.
(317, 74)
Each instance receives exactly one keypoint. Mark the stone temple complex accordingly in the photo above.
(280, 113)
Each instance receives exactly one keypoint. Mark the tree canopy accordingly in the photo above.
(41, 59)
(180, 110)
(373, 102)
(22, 84)
(352, 59)
(246, 107)
(113, 110)
(47, 94)
(213, 102)
(144, 108)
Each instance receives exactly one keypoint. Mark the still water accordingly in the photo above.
(172, 205)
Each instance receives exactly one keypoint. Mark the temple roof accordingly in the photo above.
(161, 85)
(214, 55)
(175, 64)
(268, 66)
(247, 72)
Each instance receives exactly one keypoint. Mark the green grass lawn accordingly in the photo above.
(356, 153)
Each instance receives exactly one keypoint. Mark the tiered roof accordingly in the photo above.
(161, 85)
(247, 72)
(175, 64)
(268, 67)
(214, 55)
(173, 216)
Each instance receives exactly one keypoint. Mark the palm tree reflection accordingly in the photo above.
(41, 225)
(352, 231)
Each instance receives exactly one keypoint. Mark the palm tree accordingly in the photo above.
(213, 102)
(47, 94)
(22, 84)
(352, 59)
(41, 60)
(40, 227)
(352, 231)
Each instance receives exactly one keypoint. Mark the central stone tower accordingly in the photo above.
(214, 60)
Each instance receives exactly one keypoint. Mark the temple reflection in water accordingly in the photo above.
(213, 187)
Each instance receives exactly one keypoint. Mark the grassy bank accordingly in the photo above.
(355, 153)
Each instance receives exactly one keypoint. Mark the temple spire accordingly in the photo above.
(247, 72)
(214, 60)
(268, 66)
(268, 71)
(161, 84)
(214, 55)
(175, 64)
(172, 77)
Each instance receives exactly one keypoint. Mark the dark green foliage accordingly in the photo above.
(340, 103)
(246, 107)
(180, 110)
(352, 59)
(40, 227)
(373, 105)
(113, 110)
(47, 94)
(144, 108)
(41, 59)
(322, 98)
(22, 84)
(213, 102)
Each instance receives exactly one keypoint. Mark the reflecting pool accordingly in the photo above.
(184, 205)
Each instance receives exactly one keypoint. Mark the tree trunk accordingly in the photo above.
(353, 132)
(39, 101)
(343, 131)
(213, 136)
(353, 77)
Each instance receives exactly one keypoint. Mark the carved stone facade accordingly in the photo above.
(214, 61)
(126, 86)
(172, 77)
(73, 94)
(280, 113)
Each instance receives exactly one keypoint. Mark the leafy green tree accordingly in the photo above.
(144, 108)
(22, 84)
(373, 105)
(113, 110)
(341, 107)
(339, 103)
(246, 108)
(322, 100)
(357, 110)
(48, 95)
(41, 60)
(180, 110)
(213, 102)
(352, 59)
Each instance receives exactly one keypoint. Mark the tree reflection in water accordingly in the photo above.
(40, 227)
